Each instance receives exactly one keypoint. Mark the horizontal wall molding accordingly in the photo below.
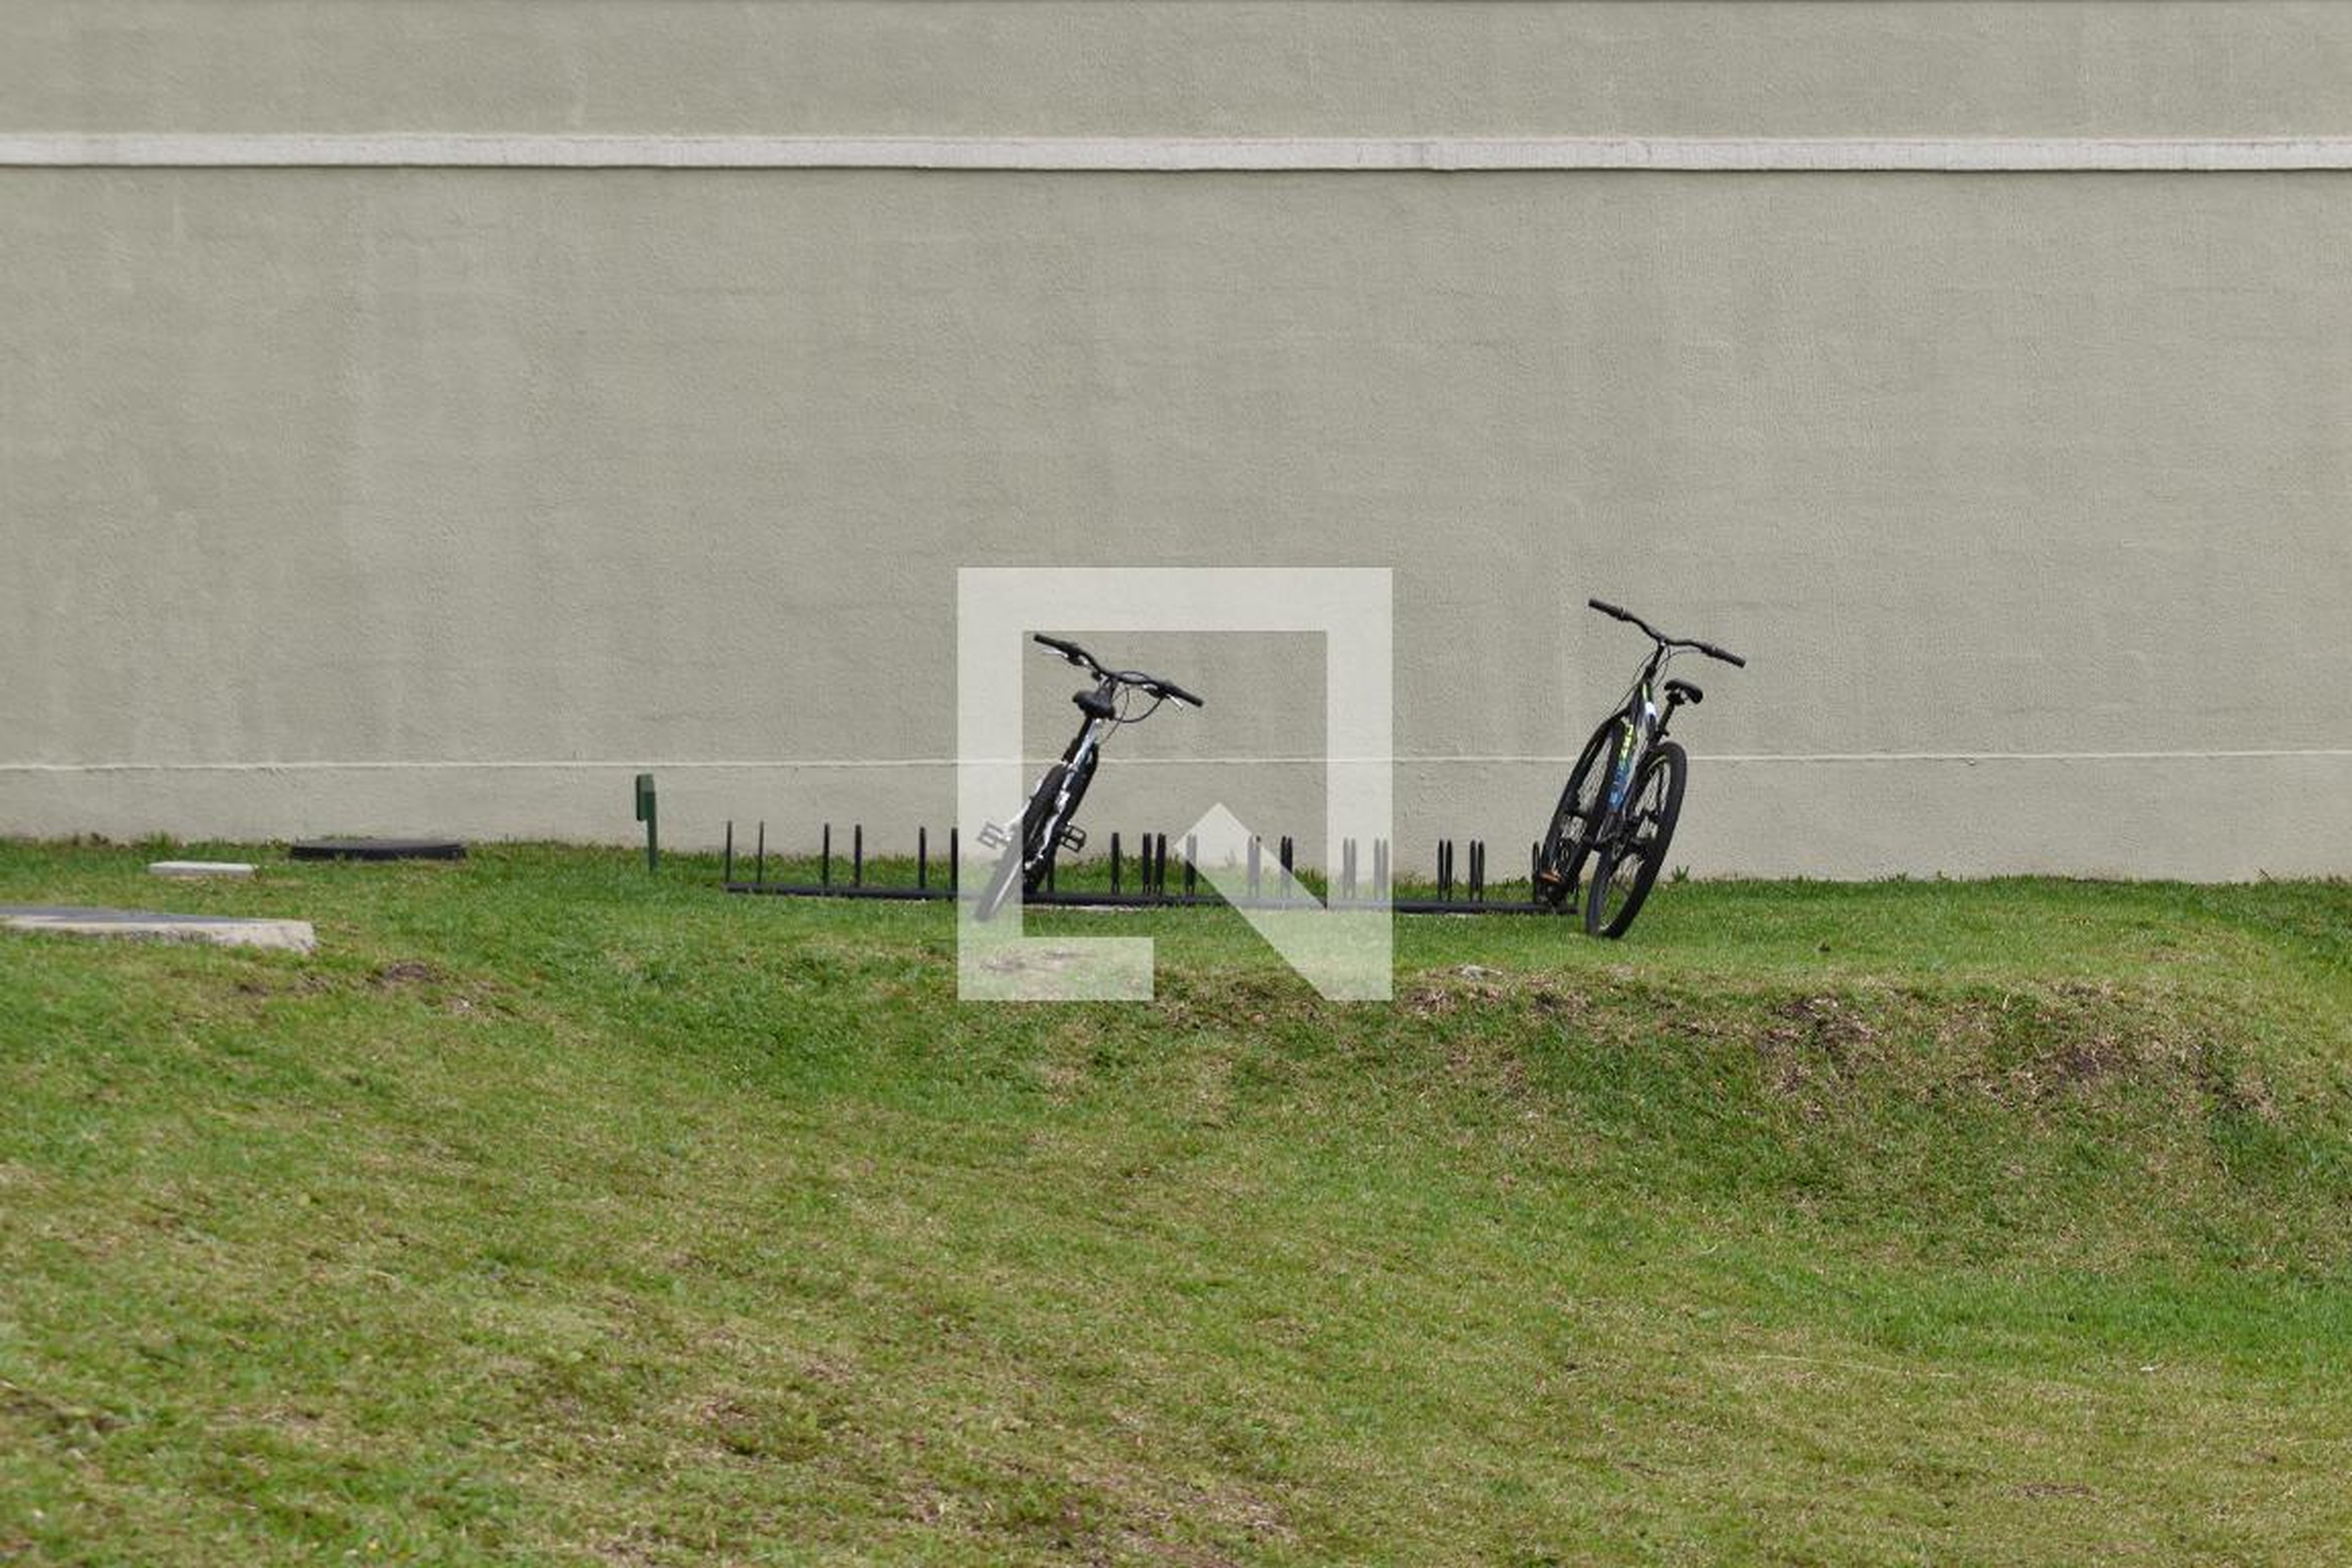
(1176, 155)
(639, 764)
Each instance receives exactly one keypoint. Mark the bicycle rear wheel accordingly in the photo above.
(1628, 866)
(1568, 839)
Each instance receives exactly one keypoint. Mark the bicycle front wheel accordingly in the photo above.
(1628, 866)
(1036, 823)
(1568, 839)
(1048, 842)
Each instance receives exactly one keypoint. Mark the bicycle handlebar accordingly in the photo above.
(1169, 689)
(1708, 648)
(1069, 650)
(1155, 684)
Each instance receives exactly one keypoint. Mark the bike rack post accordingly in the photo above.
(825, 867)
(729, 863)
(1113, 862)
(955, 858)
(1477, 871)
(1252, 865)
(923, 856)
(1191, 866)
(759, 860)
(857, 855)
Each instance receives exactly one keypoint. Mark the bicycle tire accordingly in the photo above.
(1611, 905)
(1564, 852)
(1041, 860)
(1035, 819)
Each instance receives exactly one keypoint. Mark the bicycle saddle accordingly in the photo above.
(1094, 704)
(1683, 691)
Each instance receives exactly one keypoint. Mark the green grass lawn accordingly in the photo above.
(556, 1214)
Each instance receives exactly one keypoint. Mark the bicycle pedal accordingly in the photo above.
(1074, 840)
(993, 836)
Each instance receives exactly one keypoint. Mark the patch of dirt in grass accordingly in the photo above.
(762, 1426)
(403, 977)
(305, 983)
(2030, 1050)
(59, 1419)
(2038, 1490)
(630, 1550)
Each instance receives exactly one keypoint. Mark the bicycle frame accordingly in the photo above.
(1043, 829)
(1078, 760)
(1643, 726)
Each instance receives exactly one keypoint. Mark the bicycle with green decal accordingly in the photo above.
(1625, 793)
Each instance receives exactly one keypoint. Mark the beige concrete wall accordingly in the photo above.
(1988, 67)
(447, 498)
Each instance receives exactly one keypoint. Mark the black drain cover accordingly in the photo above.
(377, 849)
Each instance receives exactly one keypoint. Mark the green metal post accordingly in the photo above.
(646, 813)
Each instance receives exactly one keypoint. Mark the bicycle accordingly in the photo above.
(1623, 813)
(1044, 827)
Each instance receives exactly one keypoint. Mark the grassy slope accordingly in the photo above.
(551, 1215)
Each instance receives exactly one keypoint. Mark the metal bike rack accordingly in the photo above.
(1150, 877)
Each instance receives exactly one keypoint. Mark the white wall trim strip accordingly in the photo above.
(639, 764)
(1170, 154)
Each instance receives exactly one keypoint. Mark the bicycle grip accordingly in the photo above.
(1170, 688)
(1606, 608)
(1069, 650)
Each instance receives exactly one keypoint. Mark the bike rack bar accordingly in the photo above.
(1139, 875)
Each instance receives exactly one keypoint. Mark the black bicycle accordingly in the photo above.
(1624, 794)
(1044, 827)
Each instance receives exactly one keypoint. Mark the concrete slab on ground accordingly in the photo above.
(225, 930)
